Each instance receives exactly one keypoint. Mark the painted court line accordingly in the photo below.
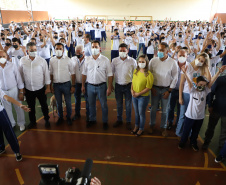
(120, 163)
(20, 179)
(96, 133)
(206, 160)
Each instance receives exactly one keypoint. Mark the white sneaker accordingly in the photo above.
(22, 128)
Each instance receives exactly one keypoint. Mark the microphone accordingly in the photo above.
(86, 173)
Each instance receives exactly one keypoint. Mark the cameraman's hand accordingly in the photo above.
(95, 181)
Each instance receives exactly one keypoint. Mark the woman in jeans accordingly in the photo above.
(141, 85)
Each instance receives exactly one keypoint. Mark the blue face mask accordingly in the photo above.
(160, 54)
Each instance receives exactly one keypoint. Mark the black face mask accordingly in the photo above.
(210, 55)
(129, 25)
(97, 27)
(7, 44)
(15, 46)
(79, 56)
(141, 30)
(128, 34)
(148, 27)
(152, 39)
(79, 35)
(180, 35)
(41, 40)
(3, 38)
(55, 37)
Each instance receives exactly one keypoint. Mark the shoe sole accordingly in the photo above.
(19, 160)
(2, 152)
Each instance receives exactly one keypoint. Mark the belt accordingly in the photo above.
(62, 83)
(161, 87)
(124, 85)
(97, 84)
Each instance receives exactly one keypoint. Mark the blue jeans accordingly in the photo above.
(7, 129)
(99, 91)
(174, 100)
(77, 94)
(140, 104)
(141, 45)
(103, 35)
(92, 34)
(223, 151)
(133, 53)
(183, 108)
(71, 51)
(191, 125)
(59, 90)
(114, 54)
(154, 106)
(125, 90)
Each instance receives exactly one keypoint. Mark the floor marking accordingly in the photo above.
(104, 134)
(20, 179)
(19, 143)
(120, 163)
(206, 160)
(198, 183)
(213, 154)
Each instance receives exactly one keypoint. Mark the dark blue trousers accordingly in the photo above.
(7, 129)
(223, 151)
(133, 53)
(103, 35)
(92, 34)
(71, 51)
(114, 54)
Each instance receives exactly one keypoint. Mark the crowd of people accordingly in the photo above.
(179, 68)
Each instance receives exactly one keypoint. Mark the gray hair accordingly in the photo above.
(29, 44)
(81, 47)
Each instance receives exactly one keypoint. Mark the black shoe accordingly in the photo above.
(219, 159)
(76, 116)
(90, 123)
(47, 124)
(149, 108)
(59, 121)
(105, 126)
(18, 157)
(117, 123)
(169, 127)
(181, 145)
(128, 126)
(205, 146)
(134, 132)
(195, 147)
(138, 135)
(2, 151)
(31, 125)
(87, 119)
(69, 122)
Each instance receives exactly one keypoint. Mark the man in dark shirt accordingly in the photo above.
(217, 110)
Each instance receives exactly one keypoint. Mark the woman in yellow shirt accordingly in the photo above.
(141, 85)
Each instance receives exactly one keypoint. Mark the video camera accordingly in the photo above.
(73, 176)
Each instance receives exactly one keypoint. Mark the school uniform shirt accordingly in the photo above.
(61, 69)
(88, 27)
(140, 37)
(151, 49)
(133, 46)
(123, 70)
(79, 41)
(115, 42)
(16, 55)
(2, 43)
(10, 77)
(78, 68)
(165, 72)
(112, 23)
(103, 27)
(180, 42)
(45, 51)
(97, 71)
(141, 82)
(127, 40)
(197, 103)
(35, 74)
(97, 33)
(213, 63)
(87, 49)
(2, 94)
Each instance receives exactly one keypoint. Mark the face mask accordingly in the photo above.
(15, 46)
(142, 65)
(7, 44)
(181, 59)
(79, 35)
(197, 63)
(55, 37)
(123, 54)
(2, 60)
(79, 56)
(201, 88)
(33, 54)
(180, 35)
(41, 40)
(3, 38)
(160, 54)
(117, 33)
(59, 53)
(95, 51)
(200, 37)
(141, 31)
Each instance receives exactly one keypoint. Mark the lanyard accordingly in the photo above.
(80, 64)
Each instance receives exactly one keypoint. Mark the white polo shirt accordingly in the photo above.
(2, 94)
(123, 70)
(16, 55)
(34, 73)
(78, 68)
(45, 51)
(87, 49)
(132, 45)
(97, 71)
(97, 33)
(115, 42)
(61, 69)
(165, 72)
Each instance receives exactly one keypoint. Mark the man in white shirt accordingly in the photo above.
(97, 71)
(115, 39)
(165, 73)
(35, 74)
(78, 62)
(12, 85)
(122, 68)
(61, 74)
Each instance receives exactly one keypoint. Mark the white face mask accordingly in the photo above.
(182, 59)
(59, 53)
(33, 54)
(197, 63)
(95, 51)
(2, 60)
(123, 54)
(142, 65)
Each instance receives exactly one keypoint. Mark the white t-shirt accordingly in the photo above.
(213, 62)
(197, 103)
(132, 46)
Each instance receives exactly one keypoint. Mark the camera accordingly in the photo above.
(73, 176)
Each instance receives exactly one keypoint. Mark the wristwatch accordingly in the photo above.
(21, 92)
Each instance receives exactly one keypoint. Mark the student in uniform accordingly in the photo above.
(141, 36)
(195, 113)
(97, 30)
(115, 39)
(6, 127)
(133, 46)
(87, 45)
